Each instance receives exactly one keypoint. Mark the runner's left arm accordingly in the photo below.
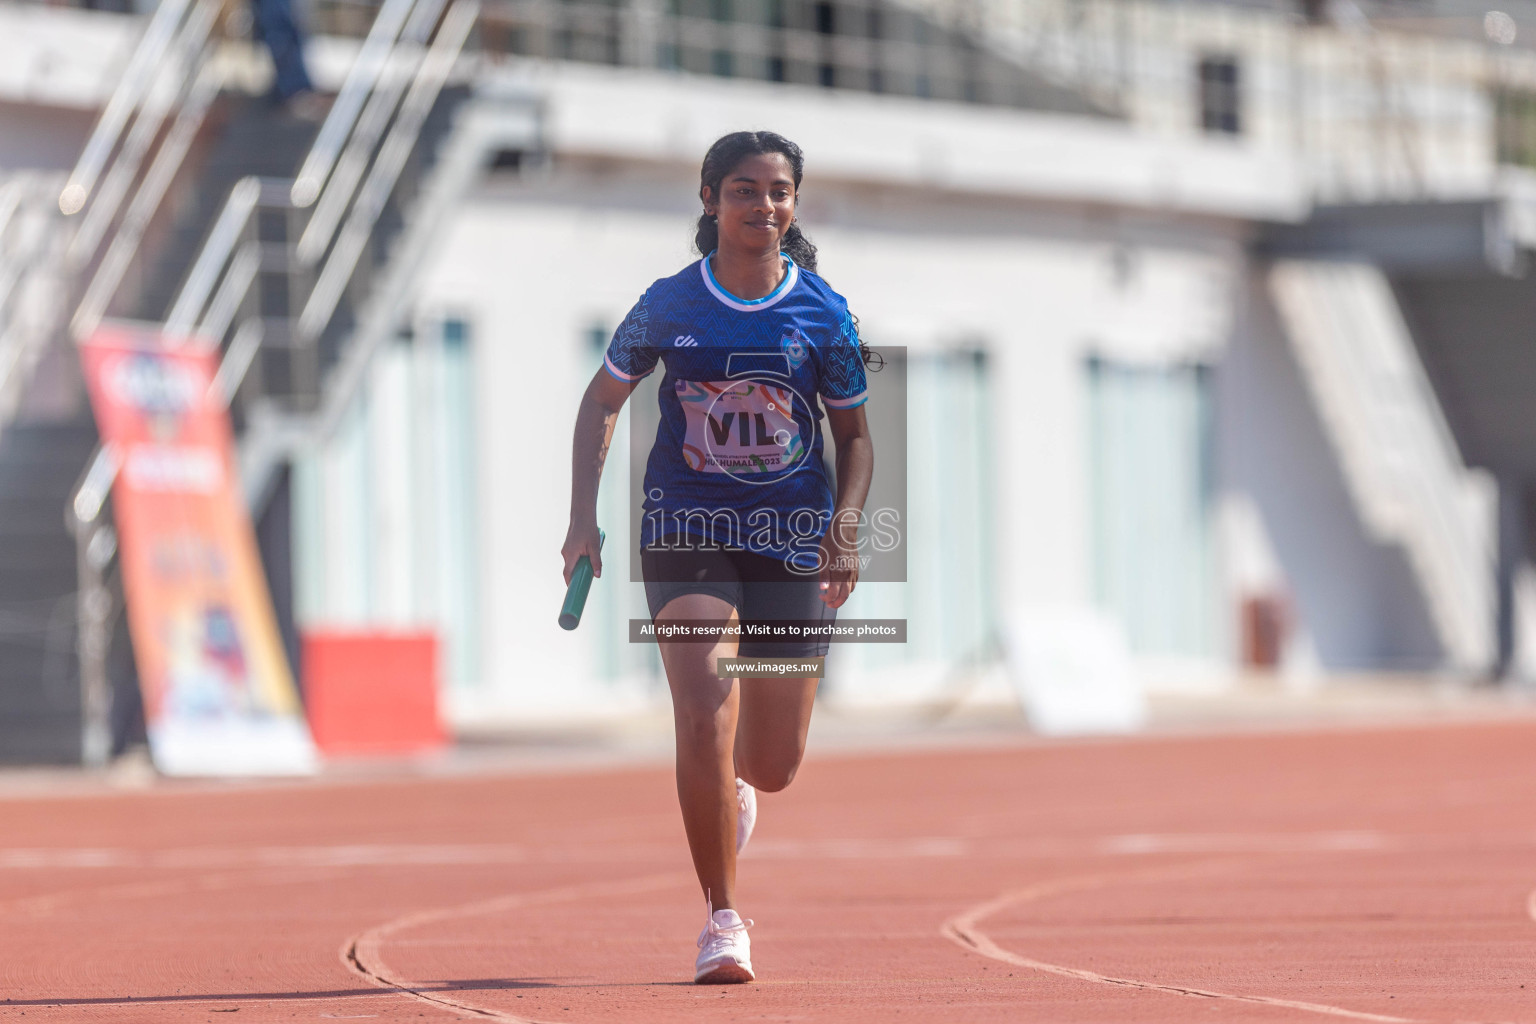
(855, 469)
(844, 389)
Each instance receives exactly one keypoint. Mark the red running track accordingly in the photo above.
(1374, 875)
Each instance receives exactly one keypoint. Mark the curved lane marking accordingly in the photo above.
(963, 930)
(363, 953)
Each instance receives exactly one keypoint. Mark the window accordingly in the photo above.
(930, 413)
(1220, 95)
(1151, 478)
(384, 511)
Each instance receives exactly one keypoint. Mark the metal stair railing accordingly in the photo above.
(347, 179)
(120, 107)
(29, 277)
(226, 266)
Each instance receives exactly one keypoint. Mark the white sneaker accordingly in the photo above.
(746, 814)
(725, 953)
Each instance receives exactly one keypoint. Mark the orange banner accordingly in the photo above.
(219, 697)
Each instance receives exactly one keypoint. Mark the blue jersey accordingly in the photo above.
(737, 461)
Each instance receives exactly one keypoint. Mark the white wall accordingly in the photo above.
(62, 57)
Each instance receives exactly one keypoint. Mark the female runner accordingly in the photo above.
(739, 514)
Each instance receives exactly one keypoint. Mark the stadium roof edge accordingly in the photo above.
(668, 117)
(1478, 233)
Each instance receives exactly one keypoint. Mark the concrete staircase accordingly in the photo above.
(40, 463)
(245, 135)
(42, 460)
(40, 698)
(1404, 470)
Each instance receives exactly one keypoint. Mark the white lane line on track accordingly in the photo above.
(46, 903)
(265, 856)
(1278, 842)
(443, 855)
(963, 930)
(452, 854)
(363, 954)
(856, 849)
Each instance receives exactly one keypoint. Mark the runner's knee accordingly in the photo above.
(702, 726)
(769, 774)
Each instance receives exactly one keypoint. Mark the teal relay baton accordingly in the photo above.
(576, 593)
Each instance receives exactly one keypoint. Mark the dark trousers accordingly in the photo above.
(274, 22)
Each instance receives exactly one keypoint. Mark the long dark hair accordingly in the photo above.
(723, 156)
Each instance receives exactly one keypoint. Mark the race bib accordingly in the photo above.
(743, 428)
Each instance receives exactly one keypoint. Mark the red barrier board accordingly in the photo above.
(372, 692)
(219, 697)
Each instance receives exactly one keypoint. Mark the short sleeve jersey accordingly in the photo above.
(738, 455)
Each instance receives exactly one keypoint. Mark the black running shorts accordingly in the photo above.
(760, 588)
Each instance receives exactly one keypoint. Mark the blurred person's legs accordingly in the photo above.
(127, 715)
(278, 29)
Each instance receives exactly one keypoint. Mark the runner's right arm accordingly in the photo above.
(595, 420)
